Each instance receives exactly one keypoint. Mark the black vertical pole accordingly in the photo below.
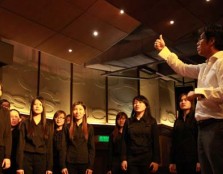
(174, 83)
(106, 98)
(38, 73)
(71, 86)
(138, 82)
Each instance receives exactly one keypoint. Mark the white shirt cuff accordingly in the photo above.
(164, 53)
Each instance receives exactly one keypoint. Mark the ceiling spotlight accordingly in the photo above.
(70, 50)
(122, 11)
(171, 22)
(95, 33)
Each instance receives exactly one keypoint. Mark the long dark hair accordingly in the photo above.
(43, 118)
(117, 127)
(143, 99)
(84, 122)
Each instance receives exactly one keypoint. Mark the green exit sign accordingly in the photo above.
(103, 138)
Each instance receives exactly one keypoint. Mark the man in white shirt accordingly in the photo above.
(209, 94)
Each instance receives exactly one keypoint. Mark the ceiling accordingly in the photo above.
(125, 41)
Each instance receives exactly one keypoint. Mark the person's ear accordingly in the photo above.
(212, 41)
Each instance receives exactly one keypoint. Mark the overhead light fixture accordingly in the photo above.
(70, 50)
(171, 22)
(95, 33)
(122, 11)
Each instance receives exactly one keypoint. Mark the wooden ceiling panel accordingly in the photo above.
(59, 45)
(207, 12)
(83, 27)
(146, 11)
(158, 14)
(185, 23)
(21, 30)
(111, 15)
(53, 26)
(54, 15)
(82, 4)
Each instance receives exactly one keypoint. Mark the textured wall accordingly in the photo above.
(20, 86)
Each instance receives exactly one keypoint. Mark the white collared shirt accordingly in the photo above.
(210, 82)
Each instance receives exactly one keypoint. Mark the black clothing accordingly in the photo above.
(186, 167)
(15, 141)
(77, 168)
(140, 145)
(79, 150)
(2, 152)
(184, 144)
(34, 163)
(5, 136)
(142, 169)
(57, 148)
(35, 145)
(5, 132)
(114, 160)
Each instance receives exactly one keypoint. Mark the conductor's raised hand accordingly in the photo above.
(159, 44)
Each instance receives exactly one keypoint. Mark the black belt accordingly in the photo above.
(209, 121)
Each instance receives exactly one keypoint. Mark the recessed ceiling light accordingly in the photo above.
(171, 22)
(122, 11)
(208, 0)
(95, 33)
(70, 50)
